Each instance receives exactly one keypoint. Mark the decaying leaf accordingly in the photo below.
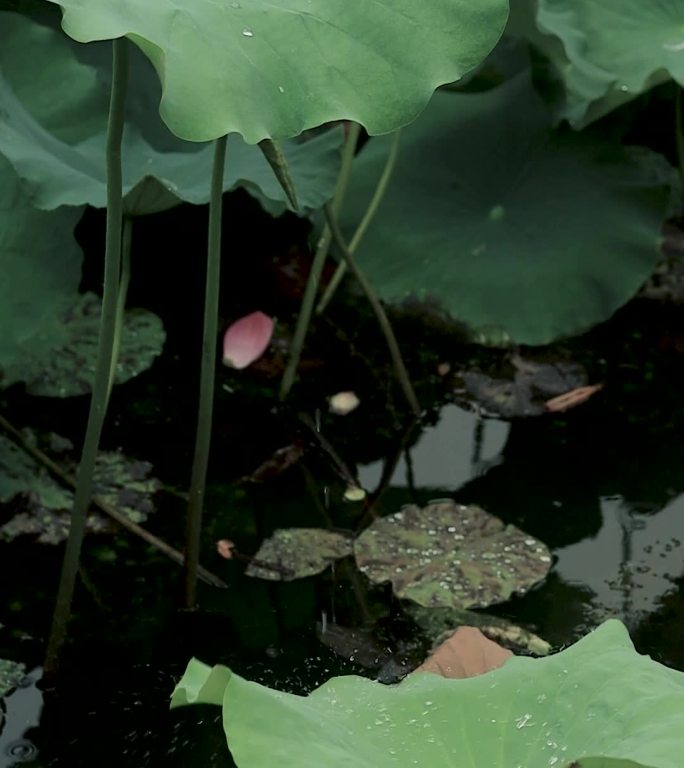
(447, 554)
(37, 505)
(466, 653)
(295, 553)
(440, 623)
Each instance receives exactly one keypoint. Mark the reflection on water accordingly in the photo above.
(23, 710)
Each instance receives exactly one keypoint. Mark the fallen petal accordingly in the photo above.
(343, 403)
(225, 548)
(466, 653)
(571, 399)
(247, 339)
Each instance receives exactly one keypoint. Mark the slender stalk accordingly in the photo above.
(124, 281)
(306, 310)
(207, 376)
(365, 222)
(679, 132)
(397, 360)
(98, 402)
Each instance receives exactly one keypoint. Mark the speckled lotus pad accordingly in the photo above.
(294, 553)
(450, 555)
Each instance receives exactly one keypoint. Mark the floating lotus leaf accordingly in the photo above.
(450, 555)
(60, 360)
(613, 51)
(597, 704)
(53, 125)
(522, 232)
(11, 674)
(437, 623)
(294, 553)
(41, 507)
(272, 70)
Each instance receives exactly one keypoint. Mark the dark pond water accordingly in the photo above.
(602, 486)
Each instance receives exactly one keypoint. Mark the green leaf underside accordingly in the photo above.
(612, 51)
(597, 702)
(272, 70)
(449, 555)
(59, 360)
(56, 144)
(296, 553)
(523, 233)
(40, 263)
(45, 506)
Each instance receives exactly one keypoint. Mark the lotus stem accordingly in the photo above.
(98, 402)
(383, 320)
(312, 283)
(207, 378)
(124, 281)
(365, 222)
(679, 134)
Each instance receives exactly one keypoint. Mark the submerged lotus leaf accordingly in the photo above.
(523, 233)
(294, 553)
(56, 142)
(11, 674)
(438, 623)
(613, 51)
(39, 506)
(60, 360)
(450, 555)
(267, 69)
(596, 704)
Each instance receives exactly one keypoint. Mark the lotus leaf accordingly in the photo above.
(40, 264)
(597, 703)
(44, 505)
(522, 232)
(59, 360)
(11, 674)
(613, 52)
(53, 125)
(294, 553)
(450, 555)
(272, 70)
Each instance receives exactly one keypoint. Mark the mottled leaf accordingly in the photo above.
(59, 361)
(295, 553)
(447, 554)
(11, 674)
(37, 505)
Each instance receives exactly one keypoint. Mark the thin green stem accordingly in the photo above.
(312, 283)
(98, 402)
(397, 360)
(365, 222)
(679, 132)
(207, 377)
(124, 281)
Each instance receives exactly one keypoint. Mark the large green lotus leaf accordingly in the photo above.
(295, 553)
(449, 555)
(613, 51)
(40, 263)
(597, 703)
(53, 123)
(521, 232)
(59, 359)
(273, 69)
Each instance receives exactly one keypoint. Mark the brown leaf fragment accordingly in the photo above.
(466, 653)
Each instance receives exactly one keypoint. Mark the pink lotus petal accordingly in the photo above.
(246, 339)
